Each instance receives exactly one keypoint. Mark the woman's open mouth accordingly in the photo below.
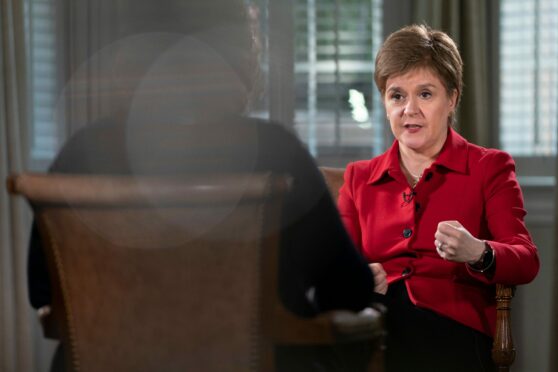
(412, 128)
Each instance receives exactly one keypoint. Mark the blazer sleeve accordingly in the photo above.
(517, 260)
(318, 264)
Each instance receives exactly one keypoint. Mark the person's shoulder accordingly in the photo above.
(271, 128)
(366, 166)
(359, 166)
(274, 136)
(91, 133)
(103, 136)
(487, 155)
(359, 172)
(486, 162)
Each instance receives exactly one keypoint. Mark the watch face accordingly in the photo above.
(490, 254)
(487, 258)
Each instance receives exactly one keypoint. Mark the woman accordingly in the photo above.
(439, 219)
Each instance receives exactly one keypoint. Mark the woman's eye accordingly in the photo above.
(397, 96)
(426, 94)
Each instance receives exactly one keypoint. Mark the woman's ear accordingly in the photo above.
(454, 97)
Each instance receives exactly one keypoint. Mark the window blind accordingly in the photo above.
(42, 72)
(528, 76)
(337, 107)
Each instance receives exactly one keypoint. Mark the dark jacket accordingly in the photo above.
(319, 267)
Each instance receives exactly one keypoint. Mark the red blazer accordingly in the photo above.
(395, 225)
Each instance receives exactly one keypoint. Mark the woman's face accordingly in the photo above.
(418, 107)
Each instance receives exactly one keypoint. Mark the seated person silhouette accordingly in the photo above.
(177, 99)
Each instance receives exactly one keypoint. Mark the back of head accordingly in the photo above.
(419, 46)
(224, 25)
(194, 58)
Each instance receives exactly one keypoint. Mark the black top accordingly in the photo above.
(319, 267)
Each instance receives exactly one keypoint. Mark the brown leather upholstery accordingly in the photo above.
(172, 274)
(503, 351)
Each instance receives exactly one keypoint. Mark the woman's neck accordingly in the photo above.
(413, 164)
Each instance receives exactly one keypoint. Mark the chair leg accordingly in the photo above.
(503, 351)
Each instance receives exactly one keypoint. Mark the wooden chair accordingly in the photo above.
(172, 274)
(503, 351)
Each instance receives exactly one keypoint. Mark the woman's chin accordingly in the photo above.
(415, 144)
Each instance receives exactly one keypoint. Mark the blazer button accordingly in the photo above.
(407, 233)
(406, 271)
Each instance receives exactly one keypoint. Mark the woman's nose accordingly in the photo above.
(412, 108)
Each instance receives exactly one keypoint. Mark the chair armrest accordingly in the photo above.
(334, 180)
(364, 325)
(329, 327)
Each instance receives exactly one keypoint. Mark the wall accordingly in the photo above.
(531, 307)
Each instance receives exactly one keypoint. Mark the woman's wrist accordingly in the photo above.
(486, 260)
(481, 249)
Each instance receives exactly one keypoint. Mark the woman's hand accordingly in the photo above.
(380, 278)
(454, 243)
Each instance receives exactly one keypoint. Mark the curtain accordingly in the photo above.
(21, 345)
(468, 23)
(554, 291)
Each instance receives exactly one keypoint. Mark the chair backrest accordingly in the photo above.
(159, 274)
(334, 180)
(503, 350)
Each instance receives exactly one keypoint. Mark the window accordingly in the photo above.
(337, 107)
(42, 62)
(258, 11)
(528, 76)
(338, 110)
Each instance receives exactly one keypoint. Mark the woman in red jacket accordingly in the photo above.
(439, 219)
